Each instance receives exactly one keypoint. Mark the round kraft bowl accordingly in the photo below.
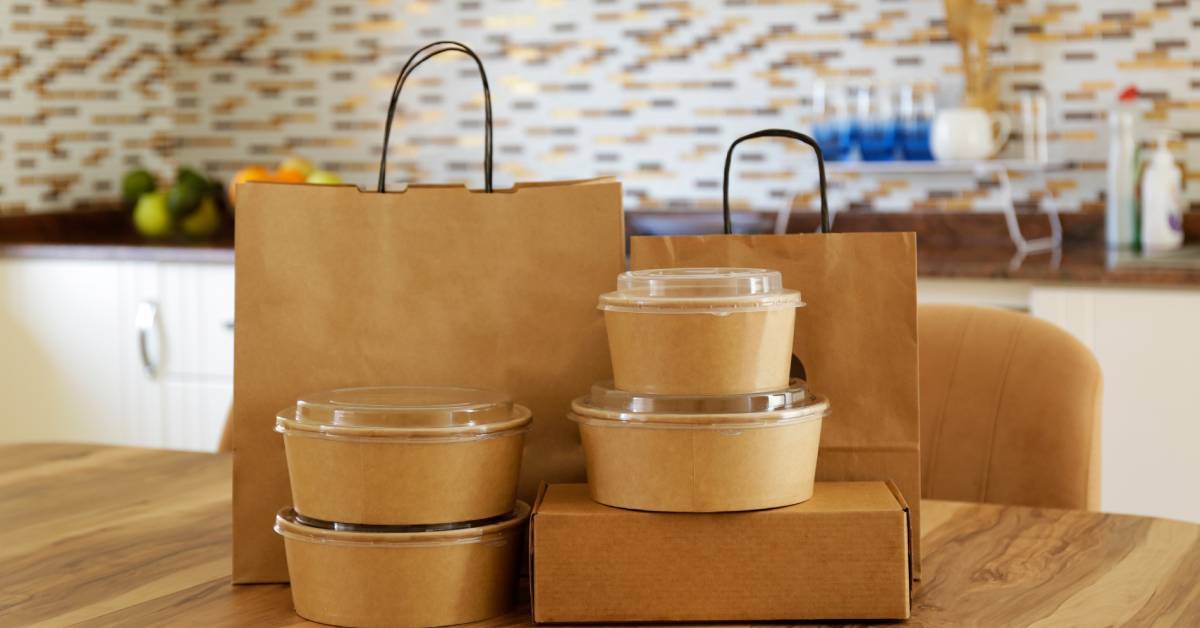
(422, 456)
(700, 330)
(701, 462)
(434, 577)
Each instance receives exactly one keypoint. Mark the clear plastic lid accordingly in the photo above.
(699, 290)
(293, 526)
(404, 412)
(606, 405)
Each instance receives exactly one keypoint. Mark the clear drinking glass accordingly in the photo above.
(1034, 131)
(877, 122)
(917, 108)
(832, 125)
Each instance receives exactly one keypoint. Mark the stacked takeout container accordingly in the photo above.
(701, 415)
(404, 504)
(701, 504)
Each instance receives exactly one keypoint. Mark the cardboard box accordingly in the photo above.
(844, 554)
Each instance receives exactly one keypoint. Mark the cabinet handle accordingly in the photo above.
(146, 321)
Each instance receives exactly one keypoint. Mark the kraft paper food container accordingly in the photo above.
(713, 453)
(402, 576)
(403, 455)
(700, 331)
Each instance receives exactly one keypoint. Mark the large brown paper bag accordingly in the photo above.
(434, 285)
(856, 337)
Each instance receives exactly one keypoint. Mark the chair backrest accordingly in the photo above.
(1010, 409)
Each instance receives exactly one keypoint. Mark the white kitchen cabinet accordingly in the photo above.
(197, 303)
(114, 351)
(1148, 344)
(1013, 295)
(195, 368)
(60, 350)
(141, 400)
(193, 413)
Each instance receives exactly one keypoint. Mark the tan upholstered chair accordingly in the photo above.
(226, 443)
(1010, 409)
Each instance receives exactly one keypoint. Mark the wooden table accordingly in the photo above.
(137, 537)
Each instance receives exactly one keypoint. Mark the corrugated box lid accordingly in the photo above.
(840, 497)
(844, 554)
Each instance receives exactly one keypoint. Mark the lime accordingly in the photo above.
(151, 216)
(134, 184)
(191, 177)
(184, 197)
(204, 221)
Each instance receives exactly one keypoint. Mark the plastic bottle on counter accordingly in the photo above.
(1120, 218)
(1162, 199)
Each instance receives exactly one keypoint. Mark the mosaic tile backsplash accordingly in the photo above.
(649, 91)
(84, 94)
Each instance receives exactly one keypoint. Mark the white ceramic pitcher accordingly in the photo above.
(968, 133)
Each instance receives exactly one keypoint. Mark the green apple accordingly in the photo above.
(151, 216)
(203, 222)
(323, 177)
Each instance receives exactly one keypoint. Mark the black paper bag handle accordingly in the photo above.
(438, 47)
(785, 133)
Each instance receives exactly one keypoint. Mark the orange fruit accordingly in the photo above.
(288, 175)
(249, 173)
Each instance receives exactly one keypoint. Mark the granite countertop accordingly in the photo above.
(974, 245)
(1071, 264)
(102, 234)
(952, 246)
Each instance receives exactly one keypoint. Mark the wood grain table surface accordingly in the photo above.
(115, 536)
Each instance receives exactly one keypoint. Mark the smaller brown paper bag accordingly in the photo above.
(855, 340)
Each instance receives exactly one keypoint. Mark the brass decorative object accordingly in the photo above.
(970, 24)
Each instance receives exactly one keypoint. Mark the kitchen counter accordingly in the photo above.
(138, 251)
(1073, 264)
(954, 246)
(970, 245)
(101, 233)
(121, 536)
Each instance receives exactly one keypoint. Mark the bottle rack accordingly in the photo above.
(1000, 169)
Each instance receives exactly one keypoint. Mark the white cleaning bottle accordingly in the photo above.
(1120, 217)
(1162, 199)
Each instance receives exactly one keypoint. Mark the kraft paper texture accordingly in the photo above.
(433, 285)
(856, 338)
